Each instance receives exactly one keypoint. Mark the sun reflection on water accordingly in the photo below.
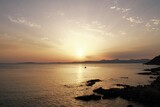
(80, 73)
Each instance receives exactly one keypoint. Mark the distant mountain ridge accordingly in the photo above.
(118, 61)
(98, 61)
(154, 61)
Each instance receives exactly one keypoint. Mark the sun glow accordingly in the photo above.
(80, 52)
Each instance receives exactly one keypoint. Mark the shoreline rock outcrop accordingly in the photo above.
(92, 82)
(148, 95)
(88, 97)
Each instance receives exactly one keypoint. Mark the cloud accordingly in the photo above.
(156, 21)
(157, 29)
(136, 20)
(139, 53)
(125, 11)
(95, 26)
(93, 29)
(23, 21)
(152, 25)
(90, 57)
(113, 7)
(122, 10)
(123, 33)
(148, 25)
(127, 54)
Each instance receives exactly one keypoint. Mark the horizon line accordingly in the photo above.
(86, 61)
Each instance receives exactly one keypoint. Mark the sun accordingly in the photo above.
(80, 52)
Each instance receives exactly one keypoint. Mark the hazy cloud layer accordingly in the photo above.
(23, 21)
(61, 27)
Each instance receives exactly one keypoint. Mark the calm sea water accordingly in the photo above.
(56, 85)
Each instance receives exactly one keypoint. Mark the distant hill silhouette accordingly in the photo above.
(117, 61)
(154, 61)
(96, 61)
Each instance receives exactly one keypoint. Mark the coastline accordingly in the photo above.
(148, 95)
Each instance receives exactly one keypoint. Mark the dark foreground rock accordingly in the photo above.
(152, 77)
(129, 105)
(108, 93)
(88, 97)
(153, 69)
(92, 82)
(148, 73)
(124, 85)
(147, 94)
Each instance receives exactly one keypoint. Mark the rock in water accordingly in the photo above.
(92, 82)
(88, 97)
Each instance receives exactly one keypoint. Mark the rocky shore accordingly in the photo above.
(92, 82)
(148, 95)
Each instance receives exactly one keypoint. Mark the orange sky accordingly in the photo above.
(60, 30)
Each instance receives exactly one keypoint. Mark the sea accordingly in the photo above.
(57, 85)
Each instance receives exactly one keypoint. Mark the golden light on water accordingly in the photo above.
(79, 74)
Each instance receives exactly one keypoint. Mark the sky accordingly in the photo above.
(78, 30)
